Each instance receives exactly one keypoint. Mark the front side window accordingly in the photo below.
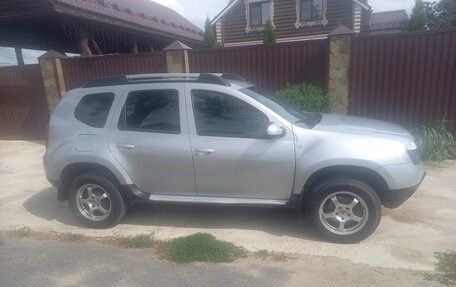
(219, 114)
(311, 10)
(93, 109)
(260, 13)
(151, 111)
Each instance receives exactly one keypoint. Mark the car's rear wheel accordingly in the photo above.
(344, 209)
(96, 201)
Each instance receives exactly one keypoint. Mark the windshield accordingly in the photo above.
(282, 108)
(275, 104)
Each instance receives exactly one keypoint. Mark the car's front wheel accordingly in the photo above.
(96, 201)
(344, 209)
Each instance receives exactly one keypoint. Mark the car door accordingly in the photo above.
(150, 139)
(232, 157)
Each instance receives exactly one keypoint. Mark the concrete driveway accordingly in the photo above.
(406, 238)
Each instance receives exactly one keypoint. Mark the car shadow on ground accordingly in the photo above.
(276, 221)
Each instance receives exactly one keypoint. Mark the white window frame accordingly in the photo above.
(323, 21)
(249, 28)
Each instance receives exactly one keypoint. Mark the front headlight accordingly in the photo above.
(413, 152)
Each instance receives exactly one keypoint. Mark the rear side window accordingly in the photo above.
(151, 111)
(93, 109)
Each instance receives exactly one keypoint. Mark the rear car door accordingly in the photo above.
(232, 157)
(149, 137)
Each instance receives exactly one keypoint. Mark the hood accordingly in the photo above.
(362, 126)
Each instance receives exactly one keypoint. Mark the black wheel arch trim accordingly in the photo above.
(72, 170)
(367, 175)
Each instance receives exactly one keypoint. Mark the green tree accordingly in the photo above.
(209, 38)
(417, 20)
(440, 14)
(269, 35)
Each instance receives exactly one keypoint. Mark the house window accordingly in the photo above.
(311, 10)
(260, 13)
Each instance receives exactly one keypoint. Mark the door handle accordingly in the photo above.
(204, 151)
(126, 146)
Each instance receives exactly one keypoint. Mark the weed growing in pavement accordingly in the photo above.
(138, 241)
(200, 247)
(274, 256)
(445, 271)
(24, 232)
(75, 237)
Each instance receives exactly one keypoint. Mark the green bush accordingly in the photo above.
(208, 36)
(269, 35)
(306, 97)
(200, 247)
(433, 142)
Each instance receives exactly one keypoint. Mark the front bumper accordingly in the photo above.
(396, 197)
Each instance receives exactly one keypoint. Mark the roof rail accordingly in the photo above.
(207, 78)
(229, 76)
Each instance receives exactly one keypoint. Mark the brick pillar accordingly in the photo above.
(177, 57)
(51, 71)
(339, 68)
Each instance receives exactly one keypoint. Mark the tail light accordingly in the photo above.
(46, 136)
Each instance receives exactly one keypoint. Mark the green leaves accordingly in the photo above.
(445, 269)
(417, 20)
(306, 97)
(433, 141)
(200, 247)
(209, 37)
(269, 35)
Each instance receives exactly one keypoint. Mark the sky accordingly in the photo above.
(197, 11)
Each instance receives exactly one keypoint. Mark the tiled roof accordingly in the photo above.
(388, 20)
(145, 13)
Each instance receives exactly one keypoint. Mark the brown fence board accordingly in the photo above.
(23, 107)
(407, 78)
(79, 70)
(271, 66)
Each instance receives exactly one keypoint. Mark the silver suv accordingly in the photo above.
(217, 139)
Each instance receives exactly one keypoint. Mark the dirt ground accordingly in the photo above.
(403, 245)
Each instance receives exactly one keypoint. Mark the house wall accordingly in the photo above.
(234, 22)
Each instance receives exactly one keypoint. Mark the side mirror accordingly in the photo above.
(275, 131)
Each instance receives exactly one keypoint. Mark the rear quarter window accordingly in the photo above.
(93, 109)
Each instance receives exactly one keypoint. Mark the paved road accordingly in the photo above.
(29, 262)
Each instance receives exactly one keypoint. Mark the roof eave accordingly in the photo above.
(64, 9)
(222, 13)
(363, 5)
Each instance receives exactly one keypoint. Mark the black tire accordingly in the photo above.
(117, 205)
(321, 204)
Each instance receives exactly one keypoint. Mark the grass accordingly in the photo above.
(434, 142)
(274, 256)
(200, 247)
(137, 241)
(445, 269)
(75, 237)
(24, 232)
